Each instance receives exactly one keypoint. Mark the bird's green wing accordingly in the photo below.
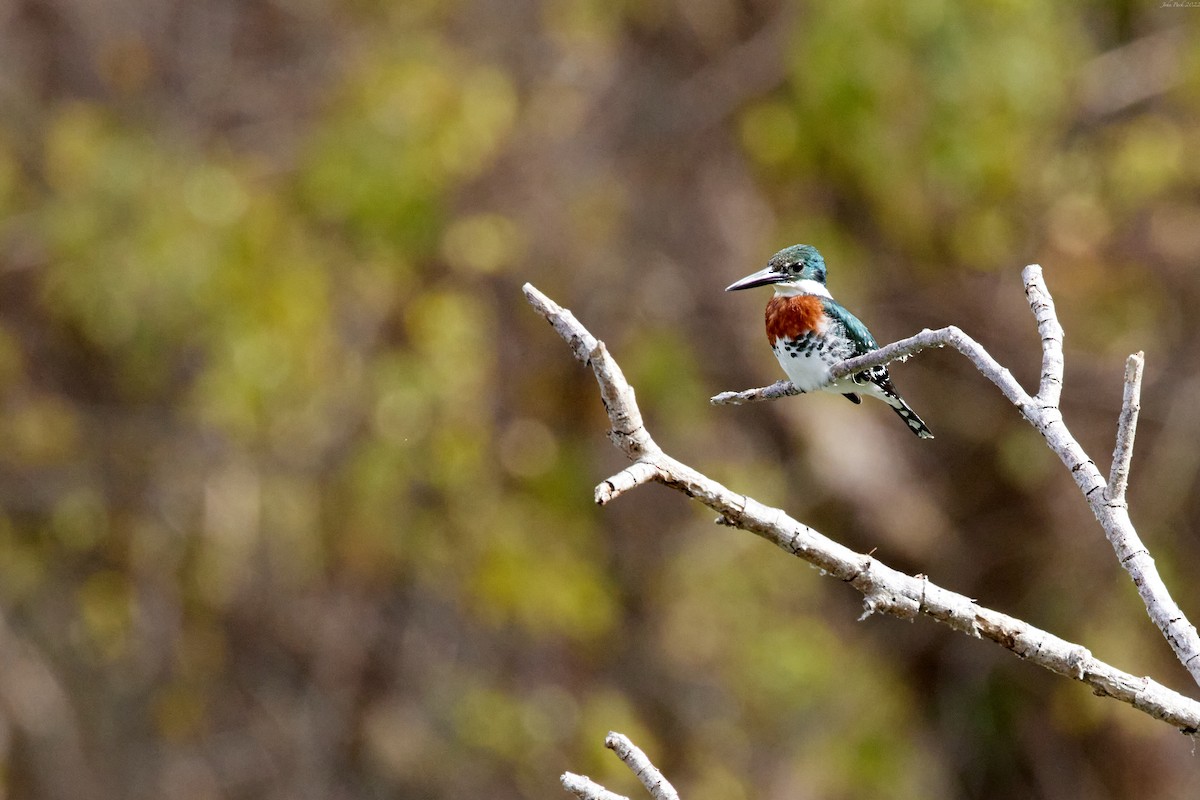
(864, 342)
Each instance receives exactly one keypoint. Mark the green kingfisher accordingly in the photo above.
(810, 331)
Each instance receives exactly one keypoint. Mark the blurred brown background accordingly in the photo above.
(295, 491)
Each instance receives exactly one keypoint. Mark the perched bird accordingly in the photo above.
(809, 332)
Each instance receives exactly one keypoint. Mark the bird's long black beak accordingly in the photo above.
(764, 277)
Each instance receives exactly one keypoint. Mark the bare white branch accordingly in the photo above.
(585, 788)
(887, 590)
(1131, 404)
(658, 786)
(628, 432)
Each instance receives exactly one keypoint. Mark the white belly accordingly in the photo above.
(807, 370)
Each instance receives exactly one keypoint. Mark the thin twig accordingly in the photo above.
(1131, 404)
(634, 475)
(772, 392)
(658, 786)
(585, 788)
(885, 590)
(1042, 305)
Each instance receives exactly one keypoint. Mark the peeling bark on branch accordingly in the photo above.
(887, 590)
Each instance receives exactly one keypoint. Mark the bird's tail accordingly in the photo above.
(879, 384)
(914, 423)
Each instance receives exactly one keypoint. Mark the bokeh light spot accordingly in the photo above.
(527, 448)
(769, 132)
(481, 243)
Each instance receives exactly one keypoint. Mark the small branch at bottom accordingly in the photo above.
(658, 786)
(585, 788)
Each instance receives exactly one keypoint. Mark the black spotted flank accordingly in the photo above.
(805, 345)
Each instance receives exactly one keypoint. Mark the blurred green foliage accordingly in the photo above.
(295, 492)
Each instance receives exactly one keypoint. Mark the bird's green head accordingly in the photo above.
(798, 269)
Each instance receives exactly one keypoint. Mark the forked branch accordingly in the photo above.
(885, 589)
(1106, 498)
